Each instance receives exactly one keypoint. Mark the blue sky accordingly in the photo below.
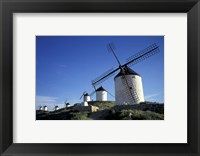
(66, 65)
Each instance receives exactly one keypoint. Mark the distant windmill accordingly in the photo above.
(86, 98)
(101, 94)
(67, 104)
(45, 108)
(40, 108)
(128, 83)
(56, 107)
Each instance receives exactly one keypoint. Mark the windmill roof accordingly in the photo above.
(101, 89)
(128, 71)
(86, 94)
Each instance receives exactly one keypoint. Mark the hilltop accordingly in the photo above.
(106, 110)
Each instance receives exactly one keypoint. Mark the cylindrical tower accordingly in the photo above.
(101, 94)
(40, 108)
(45, 108)
(131, 93)
(56, 108)
(86, 97)
(85, 103)
(67, 105)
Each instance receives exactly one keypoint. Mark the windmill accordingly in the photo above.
(128, 83)
(45, 108)
(56, 107)
(101, 94)
(67, 104)
(86, 98)
(40, 108)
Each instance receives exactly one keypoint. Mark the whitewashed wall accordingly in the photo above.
(122, 93)
(45, 109)
(101, 96)
(85, 103)
(86, 98)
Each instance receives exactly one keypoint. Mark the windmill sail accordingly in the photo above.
(83, 94)
(111, 48)
(91, 94)
(104, 76)
(142, 55)
(110, 94)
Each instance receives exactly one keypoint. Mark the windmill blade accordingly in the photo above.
(82, 94)
(110, 94)
(104, 76)
(92, 93)
(94, 87)
(111, 48)
(144, 54)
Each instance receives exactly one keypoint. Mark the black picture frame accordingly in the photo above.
(8, 7)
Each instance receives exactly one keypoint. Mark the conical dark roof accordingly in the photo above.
(101, 89)
(86, 94)
(128, 71)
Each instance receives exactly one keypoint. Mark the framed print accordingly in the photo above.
(58, 58)
(99, 103)
(104, 77)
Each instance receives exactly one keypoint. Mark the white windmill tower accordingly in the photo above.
(56, 107)
(45, 108)
(128, 84)
(86, 98)
(67, 104)
(101, 94)
(134, 82)
(41, 108)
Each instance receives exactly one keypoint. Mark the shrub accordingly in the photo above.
(133, 115)
(79, 116)
(139, 115)
(103, 104)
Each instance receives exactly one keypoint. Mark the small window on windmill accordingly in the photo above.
(133, 76)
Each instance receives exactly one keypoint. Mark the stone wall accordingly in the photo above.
(85, 108)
